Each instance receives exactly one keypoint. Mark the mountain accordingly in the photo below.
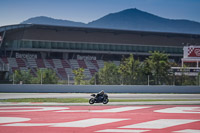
(130, 19)
(134, 19)
(52, 21)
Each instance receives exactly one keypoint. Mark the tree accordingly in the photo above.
(45, 76)
(109, 75)
(79, 76)
(49, 76)
(95, 79)
(24, 76)
(129, 70)
(158, 66)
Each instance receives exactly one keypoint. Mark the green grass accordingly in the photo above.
(83, 100)
(56, 100)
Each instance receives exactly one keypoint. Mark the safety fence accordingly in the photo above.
(37, 88)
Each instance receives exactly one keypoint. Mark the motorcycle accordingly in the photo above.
(99, 99)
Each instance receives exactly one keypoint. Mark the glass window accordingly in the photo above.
(96, 46)
(42, 44)
(84, 46)
(35, 44)
(150, 48)
(117, 47)
(134, 48)
(123, 48)
(112, 47)
(79, 46)
(53, 45)
(29, 45)
(88, 46)
(22, 43)
(14, 44)
(131, 48)
(180, 50)
(140, 49)
(48, 45)
(101, 47)
(127, 48)
(145, 48)
(66, 46)
(104, 47)
(72, 45)
(60, 45)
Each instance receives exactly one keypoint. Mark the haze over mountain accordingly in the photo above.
(130, 19)
(52, 21)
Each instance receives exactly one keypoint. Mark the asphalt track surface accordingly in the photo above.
(100, 119)
(111, 96)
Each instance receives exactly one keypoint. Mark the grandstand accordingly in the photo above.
(31, 46)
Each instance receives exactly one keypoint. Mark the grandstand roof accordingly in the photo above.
(96, 35)
(18, 26)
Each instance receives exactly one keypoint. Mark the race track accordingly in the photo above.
(100, 119)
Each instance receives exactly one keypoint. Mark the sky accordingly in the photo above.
(16, 11)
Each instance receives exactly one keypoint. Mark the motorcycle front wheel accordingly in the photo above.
(91, 101)
(105, 101)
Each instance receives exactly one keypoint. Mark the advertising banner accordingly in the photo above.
(191, 52)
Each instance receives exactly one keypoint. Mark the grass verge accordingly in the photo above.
(83, 100)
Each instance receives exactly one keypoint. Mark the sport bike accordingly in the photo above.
(99, 99)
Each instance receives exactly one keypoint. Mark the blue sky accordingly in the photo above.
(16, 11)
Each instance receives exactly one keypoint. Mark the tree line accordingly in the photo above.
(154, 70)
(43, 76)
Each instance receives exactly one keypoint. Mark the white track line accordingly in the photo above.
(122, 131)
(159, 124)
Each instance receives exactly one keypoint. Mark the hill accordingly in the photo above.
(130, 19)
(52, 21)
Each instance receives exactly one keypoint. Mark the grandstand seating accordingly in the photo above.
(65, 64)
(32, 63)
(74, 64)
(12, 62)
(62, 73)
(5, 60)
(94, 62)
(116, 63)
(50, 61)
(92, 71)
(40, 63)
(33, 71)
(57, 63)
(100, 63)
(62, 67)
(20, 62)
(87, 73)
(82, 64)
(69, 72)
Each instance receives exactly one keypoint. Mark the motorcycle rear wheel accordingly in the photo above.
(105, 101)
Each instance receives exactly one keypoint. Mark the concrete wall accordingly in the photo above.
(96, 88)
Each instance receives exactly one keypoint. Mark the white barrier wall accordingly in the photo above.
(25, 88)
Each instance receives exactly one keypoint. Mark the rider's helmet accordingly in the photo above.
(101, 92)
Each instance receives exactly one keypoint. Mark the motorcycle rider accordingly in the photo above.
(100, 95)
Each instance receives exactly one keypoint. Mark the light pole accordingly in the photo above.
(41, 77)
(95, 78)
(13, 78)
(199, 79)
(68, 79)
